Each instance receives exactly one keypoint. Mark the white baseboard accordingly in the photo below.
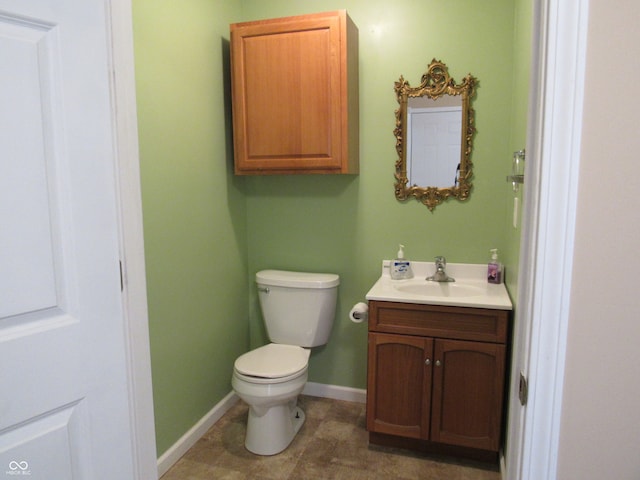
(336, 392)
(178, 449)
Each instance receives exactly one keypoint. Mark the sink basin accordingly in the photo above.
(470, 289)
(430, 289)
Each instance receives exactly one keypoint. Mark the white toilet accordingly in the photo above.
(298, 310)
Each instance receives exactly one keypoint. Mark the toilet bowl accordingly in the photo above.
(298, 310)
(269, 379)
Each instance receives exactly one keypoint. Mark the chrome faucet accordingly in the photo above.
(440, 275)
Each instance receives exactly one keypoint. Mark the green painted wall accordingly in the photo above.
(522, 37)
(208, 232)
(194, 212)
(347, 225)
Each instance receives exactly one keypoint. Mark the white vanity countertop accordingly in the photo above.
(470, 289)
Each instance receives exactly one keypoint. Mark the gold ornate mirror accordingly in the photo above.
(434, 136)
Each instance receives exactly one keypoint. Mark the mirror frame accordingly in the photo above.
(435, 83)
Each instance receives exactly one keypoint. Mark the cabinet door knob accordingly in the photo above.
(438, 363)
(427, 361)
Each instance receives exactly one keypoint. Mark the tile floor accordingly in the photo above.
(332, 444)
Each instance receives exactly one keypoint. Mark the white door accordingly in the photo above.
(64, 403)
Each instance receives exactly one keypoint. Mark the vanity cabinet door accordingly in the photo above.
(399, 385)
(468, 383)
(295, 95)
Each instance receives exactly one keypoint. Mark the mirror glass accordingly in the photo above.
(434, 135)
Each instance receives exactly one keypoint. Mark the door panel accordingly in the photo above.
(28, 280)
(399, 385)
(50, 441)
(468, 382)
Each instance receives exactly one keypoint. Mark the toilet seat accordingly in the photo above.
(248, 379)
(272, 363)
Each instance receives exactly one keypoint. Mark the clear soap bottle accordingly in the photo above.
(401, 267)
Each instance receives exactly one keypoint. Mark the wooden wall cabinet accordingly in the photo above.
(436, 375)
(295, 95)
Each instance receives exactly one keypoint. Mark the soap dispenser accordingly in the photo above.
(400, 267)
(494, 268)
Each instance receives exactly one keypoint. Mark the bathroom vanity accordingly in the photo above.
(437, 359)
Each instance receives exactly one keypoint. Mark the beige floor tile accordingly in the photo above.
(331, 445)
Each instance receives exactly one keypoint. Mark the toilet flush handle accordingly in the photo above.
(263, 289)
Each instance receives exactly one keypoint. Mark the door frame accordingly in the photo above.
(553, 153)
(134, 290)
(546, 255)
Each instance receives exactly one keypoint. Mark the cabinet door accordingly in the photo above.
(399, 385)
(468, 381)
(291, 99)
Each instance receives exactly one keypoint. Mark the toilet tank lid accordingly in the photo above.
(282, 278)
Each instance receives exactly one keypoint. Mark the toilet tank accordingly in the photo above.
(298, 307)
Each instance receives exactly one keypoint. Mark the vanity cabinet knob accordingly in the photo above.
(427, 361)
(438, 363)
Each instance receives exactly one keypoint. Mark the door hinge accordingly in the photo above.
(523, 389)
(121, 278)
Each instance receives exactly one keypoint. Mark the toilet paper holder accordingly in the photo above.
(359, 313)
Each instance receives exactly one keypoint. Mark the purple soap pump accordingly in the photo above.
(494, 268)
